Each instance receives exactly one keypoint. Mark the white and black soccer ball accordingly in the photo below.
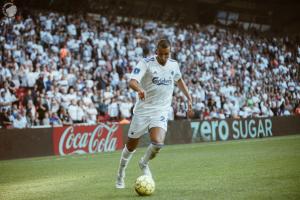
(144, 185)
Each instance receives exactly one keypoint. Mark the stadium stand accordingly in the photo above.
(62, 69)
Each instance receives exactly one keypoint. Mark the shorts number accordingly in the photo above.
(163, 119)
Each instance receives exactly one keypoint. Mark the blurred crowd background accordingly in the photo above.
(62, 68)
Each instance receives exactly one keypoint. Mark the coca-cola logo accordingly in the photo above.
(88, 139)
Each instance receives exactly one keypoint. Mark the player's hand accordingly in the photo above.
(141, 94)
(190, 112)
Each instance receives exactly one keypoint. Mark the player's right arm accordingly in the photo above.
(136, 87)
(136, 76)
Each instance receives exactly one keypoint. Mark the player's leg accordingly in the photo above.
(157, 136)
(137, 128)
(126, 155)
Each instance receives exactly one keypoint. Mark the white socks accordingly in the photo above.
(125, 158)
(151, 152)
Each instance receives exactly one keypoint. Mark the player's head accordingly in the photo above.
(163, 51)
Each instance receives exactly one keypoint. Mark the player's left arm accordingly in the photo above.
(182, 86)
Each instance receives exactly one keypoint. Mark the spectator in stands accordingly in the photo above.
(113, 109)
(86, 97)
(54, 106)
(125, 107)
(20, 121)
(30, 109)
(5, 103)
(28, 97)
(76, 112)
(108, 95)
(55, 120)
(171, 115)
(64, 116)
(46, 119)
(297, 110)
(91, 113)
(4, 118)
(7, 98)
(64, 53)
(180, 112)
(206, 114)
(214, 113)
(41, 109)
(221, 114)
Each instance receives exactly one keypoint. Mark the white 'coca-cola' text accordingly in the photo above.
(88, 142)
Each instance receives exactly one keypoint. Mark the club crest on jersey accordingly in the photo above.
(136, 71)
(162, 81)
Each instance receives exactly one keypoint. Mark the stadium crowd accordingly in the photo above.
(61, 69)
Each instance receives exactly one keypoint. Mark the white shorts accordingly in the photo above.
(141, 125)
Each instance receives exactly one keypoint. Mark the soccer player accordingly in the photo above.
(153, 79)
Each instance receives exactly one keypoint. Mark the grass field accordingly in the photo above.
(246, 169)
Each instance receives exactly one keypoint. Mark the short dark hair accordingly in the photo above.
(163, 43)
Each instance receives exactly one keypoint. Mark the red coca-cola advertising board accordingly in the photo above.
(103, 137)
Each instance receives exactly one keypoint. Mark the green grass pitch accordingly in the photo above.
(266, 168)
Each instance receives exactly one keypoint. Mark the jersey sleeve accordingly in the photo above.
(177, 74)
(139, 71)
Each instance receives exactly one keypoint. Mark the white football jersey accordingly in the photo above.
(158, 83)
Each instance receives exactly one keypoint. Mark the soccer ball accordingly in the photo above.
(144, 185)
